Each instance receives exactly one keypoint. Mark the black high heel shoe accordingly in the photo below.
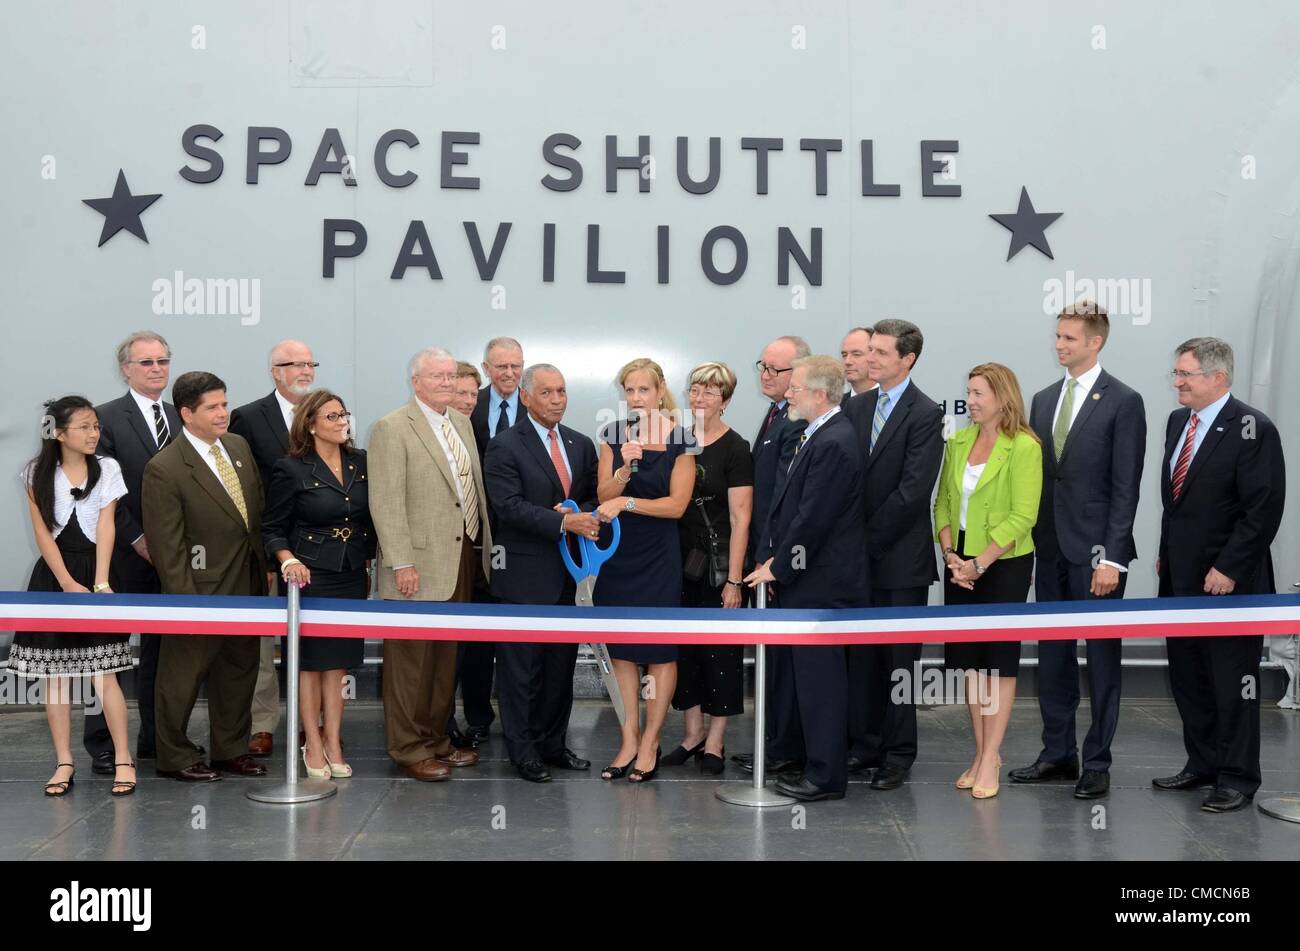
(61, 788)
(617, 772)
(681, 755)
(643, 775)
(712, 765)
(121, 787)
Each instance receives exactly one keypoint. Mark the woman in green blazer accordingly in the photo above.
(984, 513)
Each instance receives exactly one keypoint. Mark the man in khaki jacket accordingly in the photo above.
(429, 508)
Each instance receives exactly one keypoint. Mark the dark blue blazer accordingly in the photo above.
(772, 452)
(898, 483)
(816, 535)
(1231, 505)
(523, 489)
(1090, 496)
(324, 522)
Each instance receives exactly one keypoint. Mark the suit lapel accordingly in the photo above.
(542, 453)
(147, 438)
(424, 432)
(1211, 442)
(208, 481)
(1095, 396)
(997, 459)
(275, 419)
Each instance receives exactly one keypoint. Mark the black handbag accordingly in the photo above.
(713, 564)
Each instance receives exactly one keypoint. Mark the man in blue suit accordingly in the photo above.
(773, 449)
(529, 469)
(814, 551)
(1093, 429)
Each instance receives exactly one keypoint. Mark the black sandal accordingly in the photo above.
(617, 772)
(61, 788)
(645, 775)
(127, 788)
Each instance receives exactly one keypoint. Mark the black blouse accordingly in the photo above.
(724, 464)
(325, 523)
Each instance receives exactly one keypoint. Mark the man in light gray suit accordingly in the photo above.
(429, 509)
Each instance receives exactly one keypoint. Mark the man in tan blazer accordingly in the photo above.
(202, 507)
(429, 508)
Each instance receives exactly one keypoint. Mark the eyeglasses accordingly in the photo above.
(765, 369)
(798, 389)
(297, 365)
(1184, 374)
(697, 391)
(163, 362)
(87, 428)
(502, 367)
(438, 377)
(335, 417)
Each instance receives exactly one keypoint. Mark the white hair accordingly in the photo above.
(508, 343)
(428, 353)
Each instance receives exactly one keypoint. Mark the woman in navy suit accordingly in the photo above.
(317, 527)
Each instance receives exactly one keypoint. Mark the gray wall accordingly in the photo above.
(1139, 144)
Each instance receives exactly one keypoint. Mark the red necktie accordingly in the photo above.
(558, 460)
(771, 415)
(1184, 459)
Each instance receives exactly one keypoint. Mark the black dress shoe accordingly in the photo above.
(859, 765)
(774, 767)
(1041, 772)
(479, 734)
(567, 759)
(534, 771)
(461, 741)
(1183, 780)
(806, 791)
(681, 755)
(197, 773)
(102, 763)
(1224, 799)
(1093, 784)
(888, 777)
(243, 765)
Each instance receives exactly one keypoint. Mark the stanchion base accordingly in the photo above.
(1281, 807)
(284, 794)
(745, 794)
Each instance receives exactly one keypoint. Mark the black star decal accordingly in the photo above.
(1027, 226)
(122, 210)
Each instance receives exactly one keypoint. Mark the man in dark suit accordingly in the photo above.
(264, 424)
(498, 408)
(814, 550)
(854, 355)
(202, 501)
(133, 428)
(1093, 429)
(531, 468)
(773, 450)
(900, 434)
(1223, 482)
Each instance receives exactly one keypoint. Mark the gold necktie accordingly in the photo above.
(465, 473)
(230, 480)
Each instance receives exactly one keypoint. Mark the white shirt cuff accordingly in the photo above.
(1113, 565)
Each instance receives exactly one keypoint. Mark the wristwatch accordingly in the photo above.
(631, 505)
(979, 569)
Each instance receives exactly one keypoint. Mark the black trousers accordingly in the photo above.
(1058, 670)
(1215, 683)
(821, 685)
(96, 737)
(475, 665)
(882, 732)
(535, 692)
(784, 733)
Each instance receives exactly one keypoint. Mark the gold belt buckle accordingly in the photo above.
(343, 533)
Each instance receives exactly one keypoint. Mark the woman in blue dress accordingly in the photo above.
(646, 571)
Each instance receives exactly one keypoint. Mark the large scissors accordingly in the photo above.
(591, 557)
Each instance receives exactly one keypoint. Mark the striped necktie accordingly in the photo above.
(160, 426)
(1184, 458)
(464, 472)
(1062, 428)
(878, 422)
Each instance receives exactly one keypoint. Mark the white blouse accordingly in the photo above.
(109, 488)
(969, 479)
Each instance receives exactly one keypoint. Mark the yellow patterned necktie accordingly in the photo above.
(230, 480)
(466, 475)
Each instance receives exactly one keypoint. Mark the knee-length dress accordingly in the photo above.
(646, 571)
(44, 654)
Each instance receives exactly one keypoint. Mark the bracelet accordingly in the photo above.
(621, 481)
(102, 586)
(738, 584)
(288, 563)
(949, 551)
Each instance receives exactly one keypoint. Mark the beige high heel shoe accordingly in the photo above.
(313, 773)
(987, 792)
(967, 779)
(338, 770)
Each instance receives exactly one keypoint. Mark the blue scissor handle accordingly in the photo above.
(592, 555)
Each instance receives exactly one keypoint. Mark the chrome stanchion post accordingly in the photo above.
(293, 789)
(1287, 807)
(757, 795)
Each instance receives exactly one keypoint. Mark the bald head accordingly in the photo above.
(292, 369)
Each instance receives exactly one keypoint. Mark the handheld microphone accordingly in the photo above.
(632, 420)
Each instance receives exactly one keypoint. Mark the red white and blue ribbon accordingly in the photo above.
(1268, 615)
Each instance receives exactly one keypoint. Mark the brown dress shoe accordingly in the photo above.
(198, 773)
(241, 766)
(259, 744)
(460, 758)
(427, 771)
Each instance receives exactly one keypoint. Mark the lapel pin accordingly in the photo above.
(238, 464)
(1096, 396)
(1218, 429)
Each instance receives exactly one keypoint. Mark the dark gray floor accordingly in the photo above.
(379, 815)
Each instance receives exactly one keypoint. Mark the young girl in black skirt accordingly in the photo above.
(72, 496)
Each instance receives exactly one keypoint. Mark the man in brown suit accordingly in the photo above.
(202, 505)
(429, 509)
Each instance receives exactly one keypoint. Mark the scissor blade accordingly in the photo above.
(606, 664)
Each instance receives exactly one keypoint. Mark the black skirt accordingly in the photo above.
(1006, 581)
(332, 653)
(709, 676)
(41, 654)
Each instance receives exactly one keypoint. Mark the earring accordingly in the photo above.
(313, 432)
